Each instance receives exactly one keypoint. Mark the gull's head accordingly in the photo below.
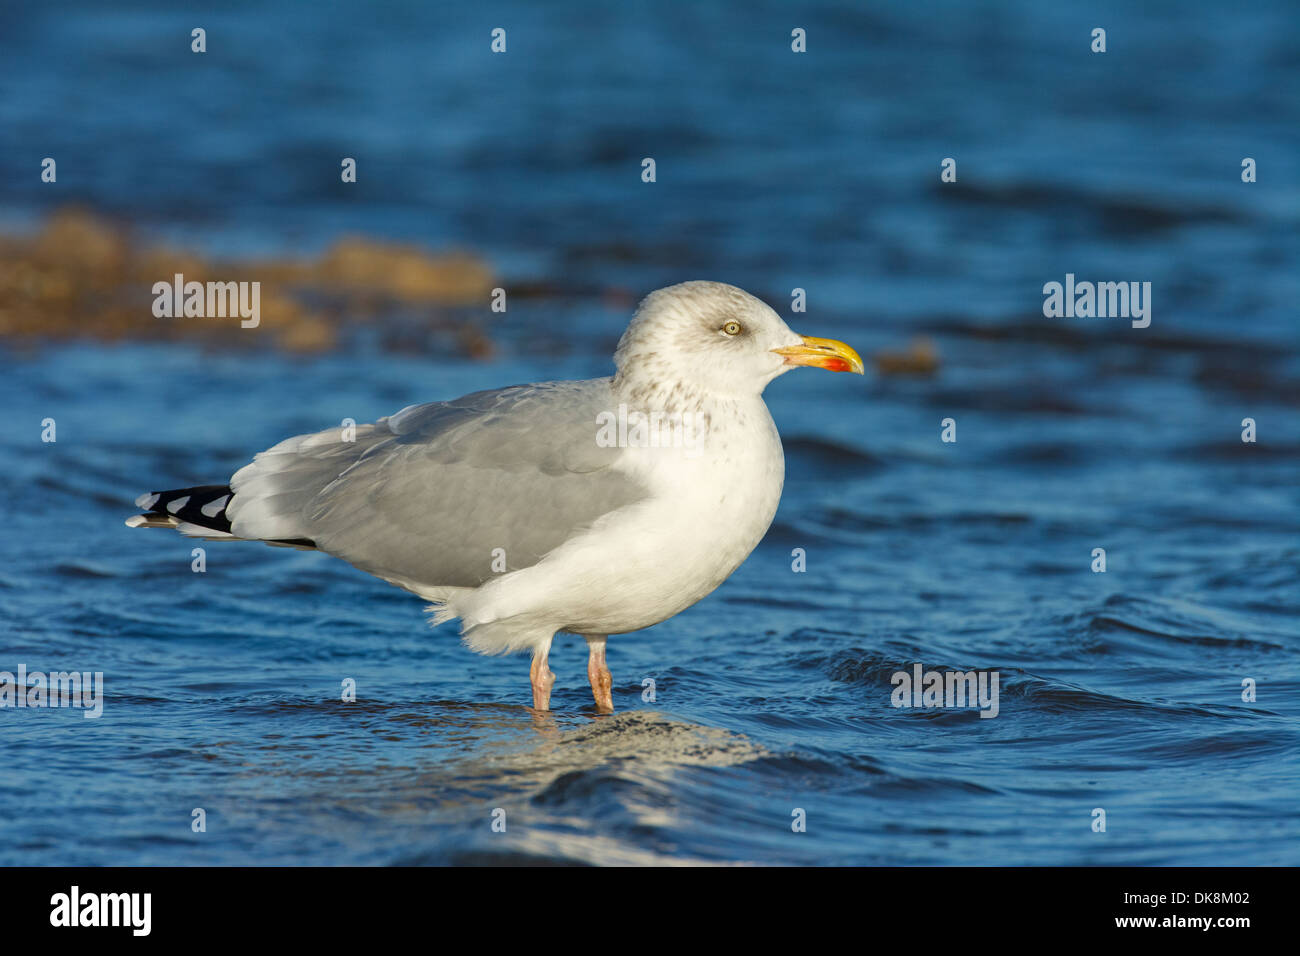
(719, 339)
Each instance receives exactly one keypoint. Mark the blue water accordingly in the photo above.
(1119, 690)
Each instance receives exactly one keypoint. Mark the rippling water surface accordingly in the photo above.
(1120, 690)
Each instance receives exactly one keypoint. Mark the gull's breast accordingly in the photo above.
(709, 508)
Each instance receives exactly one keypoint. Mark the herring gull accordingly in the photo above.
(596, 507)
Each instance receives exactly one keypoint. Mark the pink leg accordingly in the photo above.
(602, 682)
(543, 679)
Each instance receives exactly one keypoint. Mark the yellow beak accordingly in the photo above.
(822, 353)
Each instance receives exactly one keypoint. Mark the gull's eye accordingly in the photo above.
(732, 327)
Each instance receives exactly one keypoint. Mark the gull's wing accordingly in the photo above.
(427, 496)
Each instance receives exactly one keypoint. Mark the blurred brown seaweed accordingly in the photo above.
(82, 276)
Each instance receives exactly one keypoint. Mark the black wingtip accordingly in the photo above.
(202, 505)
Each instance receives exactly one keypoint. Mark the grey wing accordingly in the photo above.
(444, 494)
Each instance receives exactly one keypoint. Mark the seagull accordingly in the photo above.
(594, 507)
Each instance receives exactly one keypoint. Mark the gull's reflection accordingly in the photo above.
(486, 742)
